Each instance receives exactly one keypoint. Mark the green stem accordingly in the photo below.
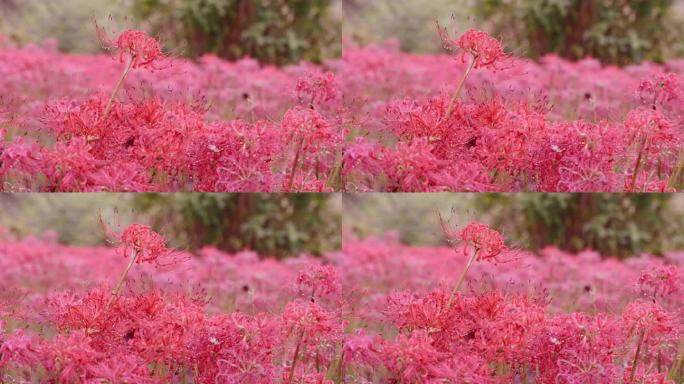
(295, 163)
(461, 278)
(115, 292)
(674, 177)
(334, 178)
(129, 65)
(295, 357)
(636, 356)
(340, 368)
(524, 374)
(635, 173)
(457, 94)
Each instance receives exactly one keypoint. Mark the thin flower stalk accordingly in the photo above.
(122, 279)
(119, 84)
(635, 362)
(461, 84)
(461, 278)
(295, 164)
(637, 165)
(295, 357)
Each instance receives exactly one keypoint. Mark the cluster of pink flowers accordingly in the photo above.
(87, 123)
(377, 311)
(661, 88)
(520, 126)
(374, 120)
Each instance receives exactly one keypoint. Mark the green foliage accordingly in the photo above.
(270, 224)
(411, 22)
(73, 217)
(613, 224)
(414, 217)
(273, 31)
(620, 225)
(614, 31)
(69, 22)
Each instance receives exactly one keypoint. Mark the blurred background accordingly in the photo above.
(614, 31)
(276, 225)
(620, 225)
(272, 31)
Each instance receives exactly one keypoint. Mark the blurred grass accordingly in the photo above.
(613, 224)
(187, 27)
(414, 216)
(67, 22)
(528, 27)
(274, 224)
(74, 218)
(410, 22)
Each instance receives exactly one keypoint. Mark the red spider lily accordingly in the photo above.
(321, 281)
(483, 48)
(583, 324)
(646, 376)
(650, 324)
(311, 320)
(20, 348)
(546, 126)
(653, 134)
(413, 358)
(313, 329)
(304, 129)
(646, 317)
(88, 313)
(662, 88)
(317, 88)
(577, 348)
(412, 166)
(661, 281)
(651, 127)
(487, 242)
(140, 240)
(142, 50)
(146, 243)
(236, 348)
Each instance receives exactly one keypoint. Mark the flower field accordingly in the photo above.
(375, 120)
(481, 119)
(375, 312)
(143, 120)
(316, 280)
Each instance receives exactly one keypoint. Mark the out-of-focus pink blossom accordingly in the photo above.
(317, 88)
(321, 281)
(647, 317)
(659, 89)
(661, 281)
